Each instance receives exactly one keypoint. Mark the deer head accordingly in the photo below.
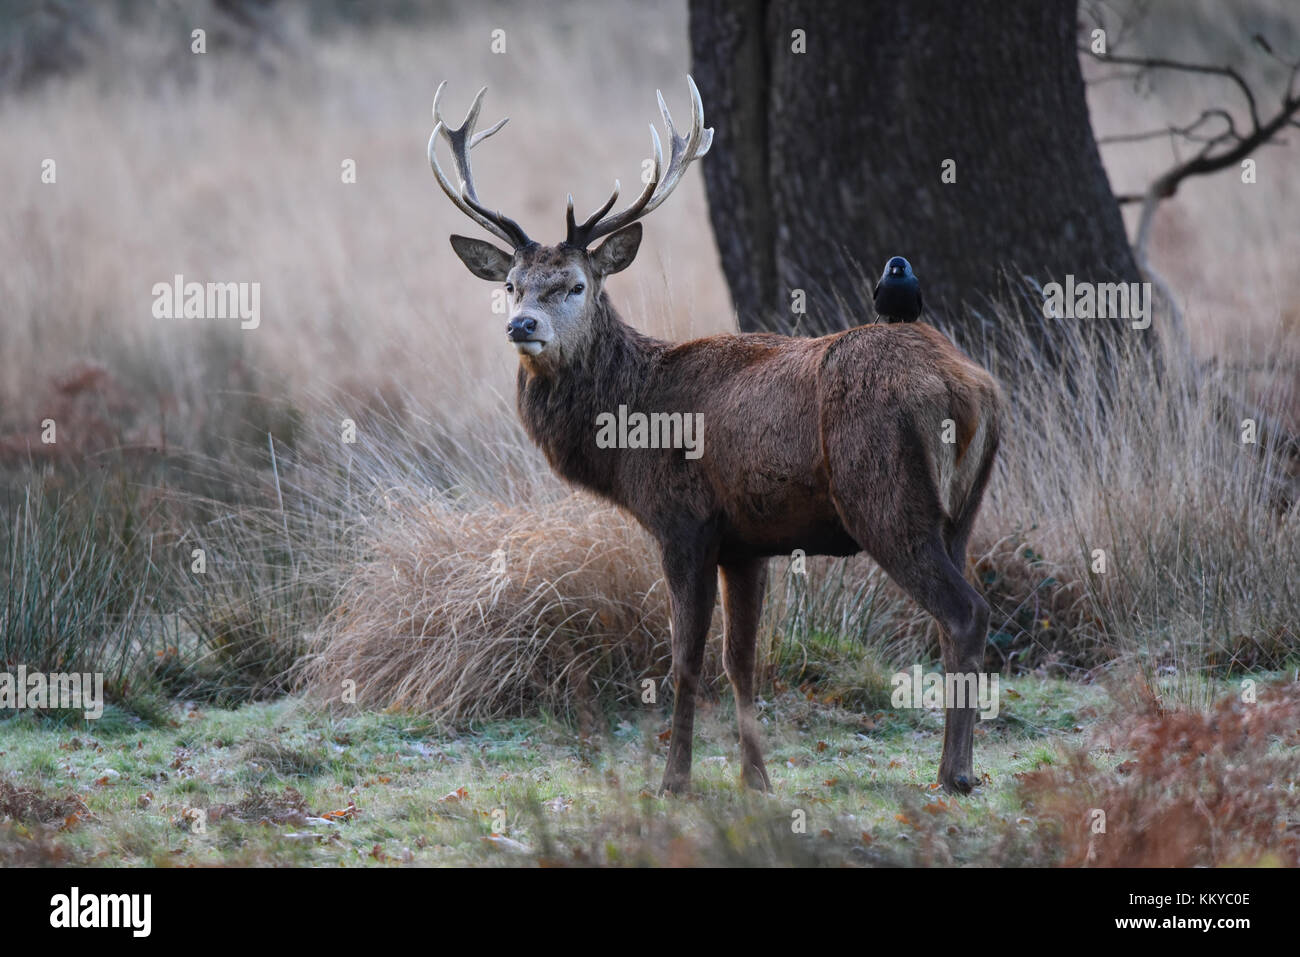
(555, 292)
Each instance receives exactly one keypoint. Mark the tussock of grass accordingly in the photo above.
(1128, 519)
(475, 613)
(284, 760)
(78, 574)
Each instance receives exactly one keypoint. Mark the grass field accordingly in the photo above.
(265, 777)
(279, 783)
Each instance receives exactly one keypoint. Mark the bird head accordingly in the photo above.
(897, 267)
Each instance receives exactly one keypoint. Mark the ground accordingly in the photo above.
(281, 784)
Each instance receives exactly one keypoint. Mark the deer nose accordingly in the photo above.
(521, 328)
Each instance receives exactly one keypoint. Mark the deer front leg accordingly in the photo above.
(742, 603)
(692, 576)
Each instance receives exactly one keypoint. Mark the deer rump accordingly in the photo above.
(855, 441)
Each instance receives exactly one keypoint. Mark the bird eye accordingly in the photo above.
(577, 289)
(510, 287)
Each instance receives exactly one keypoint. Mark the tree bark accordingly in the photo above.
(827, 162)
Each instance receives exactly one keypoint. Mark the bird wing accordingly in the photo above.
(876, 292)
(919, 306)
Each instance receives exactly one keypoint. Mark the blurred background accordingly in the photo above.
(226, 166)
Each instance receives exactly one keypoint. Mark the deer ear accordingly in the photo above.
(616, 253)
(483, 259)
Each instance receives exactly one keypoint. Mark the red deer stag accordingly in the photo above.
(833, 445)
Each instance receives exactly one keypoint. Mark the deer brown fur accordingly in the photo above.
(832, 445)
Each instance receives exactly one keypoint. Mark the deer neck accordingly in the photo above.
(559, 403)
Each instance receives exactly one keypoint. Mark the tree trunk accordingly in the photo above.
(827, 162)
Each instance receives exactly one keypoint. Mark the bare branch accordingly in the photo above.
(1161, 63)
(1187, 132)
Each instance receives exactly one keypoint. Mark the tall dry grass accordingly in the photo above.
(1197, 576)
(226, 166)
(221, 167)
(469, 613)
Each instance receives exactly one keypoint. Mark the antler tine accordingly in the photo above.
(683, 150)
(596, 227)
(480, 137)
(574, 235)
(462, 139)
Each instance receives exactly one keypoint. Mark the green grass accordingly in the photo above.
(860, 782)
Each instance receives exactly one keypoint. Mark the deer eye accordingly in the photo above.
(577, 289)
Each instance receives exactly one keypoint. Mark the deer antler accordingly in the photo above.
(683, 151)
(463, 140)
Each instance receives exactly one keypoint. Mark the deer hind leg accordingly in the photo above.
(930, 577)
(742, 603)
(692, 576)
(903, 529)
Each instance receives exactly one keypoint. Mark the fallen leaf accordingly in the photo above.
(347, 814)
